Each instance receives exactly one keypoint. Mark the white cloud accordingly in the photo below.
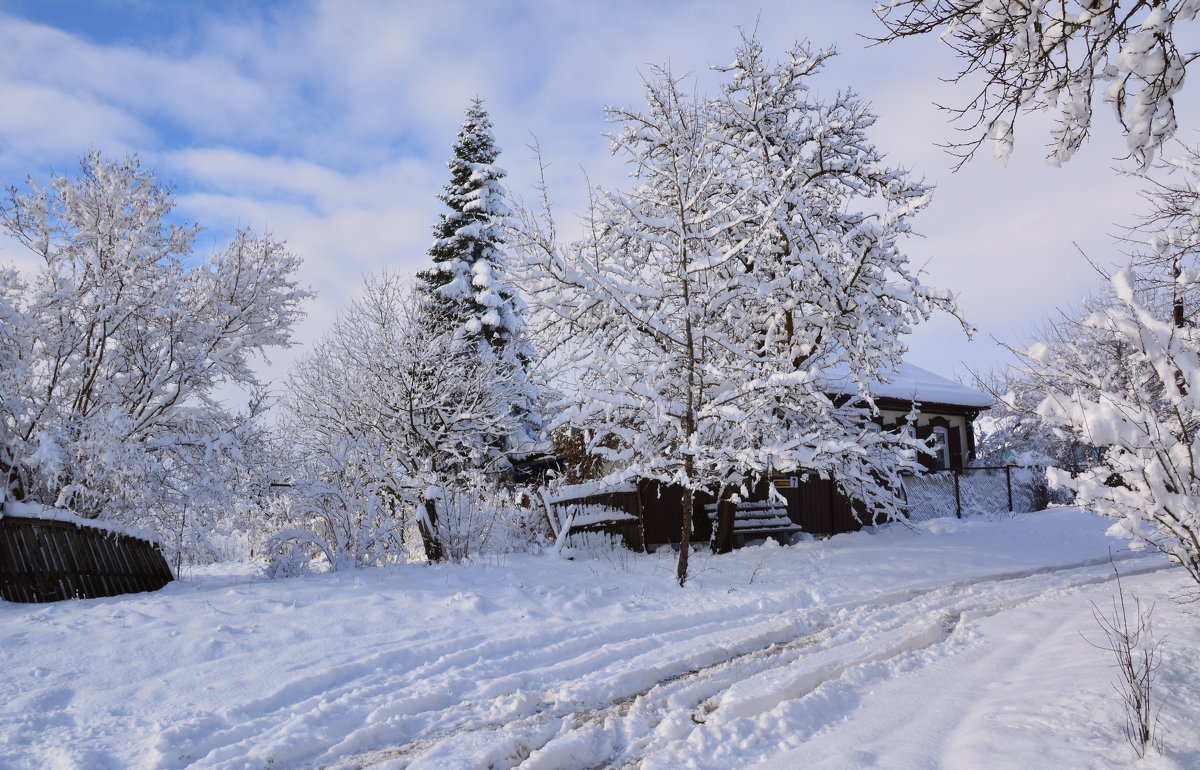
(47, 124)
(203, 93)
(328, 123)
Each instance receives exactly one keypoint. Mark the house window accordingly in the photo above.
(941, 448)
(908, 453)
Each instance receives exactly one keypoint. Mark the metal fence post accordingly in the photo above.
(1008, 481)
(957, 497)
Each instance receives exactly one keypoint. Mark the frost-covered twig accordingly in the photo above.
(1130, 640)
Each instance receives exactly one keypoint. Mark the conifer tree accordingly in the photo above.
(466, 292)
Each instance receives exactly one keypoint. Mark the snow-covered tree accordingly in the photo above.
(1056, 56)
(118, 342)
(1013, 433)
(1140, 404)
(1165, 239)
(712, 307)
(418, 407)
(468, 290)
(1125, 379)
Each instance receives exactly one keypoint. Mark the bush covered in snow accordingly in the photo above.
(113, 348)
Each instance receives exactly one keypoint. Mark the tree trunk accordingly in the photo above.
(689, 415)
(685, 536)
(428, 529)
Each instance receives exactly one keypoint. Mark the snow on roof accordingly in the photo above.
(912, 383)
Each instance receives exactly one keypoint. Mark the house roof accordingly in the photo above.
(912, 383)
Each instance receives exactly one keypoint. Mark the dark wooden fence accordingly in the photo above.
(815, 505)
(812, 505)
(627, 502)
(46, 561)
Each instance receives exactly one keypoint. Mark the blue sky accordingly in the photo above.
(328, 124)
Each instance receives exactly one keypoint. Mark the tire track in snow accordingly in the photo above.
(850, 666)
(349, 703)
(353, 705)
(537, 723)
(565, 728)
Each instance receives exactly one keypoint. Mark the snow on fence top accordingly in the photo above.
(46, 513)
(570, 492)
(911, 383)
(587, 515)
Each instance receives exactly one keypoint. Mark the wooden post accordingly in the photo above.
(957, 496)
(722, 541)
(428, 529)
(552, 520)
(1008, 483)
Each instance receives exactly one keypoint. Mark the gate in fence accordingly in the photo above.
(975, 491)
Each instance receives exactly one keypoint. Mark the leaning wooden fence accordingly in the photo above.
(45, 561)
(591, 507)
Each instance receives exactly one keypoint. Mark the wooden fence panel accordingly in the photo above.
(46, 561)
(629, 530)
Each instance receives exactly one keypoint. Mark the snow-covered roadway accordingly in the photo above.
(703, 696)
(956, 647)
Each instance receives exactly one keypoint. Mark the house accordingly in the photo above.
(945, 412)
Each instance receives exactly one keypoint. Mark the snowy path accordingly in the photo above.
(886, 649)
(696, 695)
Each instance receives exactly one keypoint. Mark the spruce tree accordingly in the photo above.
(466, 290)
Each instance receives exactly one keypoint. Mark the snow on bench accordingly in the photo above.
(759, 516)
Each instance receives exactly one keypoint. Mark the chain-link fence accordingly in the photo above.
(976, 491)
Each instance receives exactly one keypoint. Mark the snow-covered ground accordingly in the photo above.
(960, 646)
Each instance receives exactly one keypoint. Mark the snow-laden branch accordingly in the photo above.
(1056, 56)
